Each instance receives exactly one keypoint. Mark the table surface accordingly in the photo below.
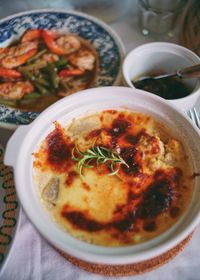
(31, 256)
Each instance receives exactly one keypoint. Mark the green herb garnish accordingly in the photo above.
(100, 155)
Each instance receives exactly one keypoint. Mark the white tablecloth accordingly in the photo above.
(32, 258)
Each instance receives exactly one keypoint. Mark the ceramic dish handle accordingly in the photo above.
(13, 145)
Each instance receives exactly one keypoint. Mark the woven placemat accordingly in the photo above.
(9, 209)
(130, 269)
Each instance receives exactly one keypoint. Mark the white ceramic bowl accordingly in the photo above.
(167, 57)
(26, 139)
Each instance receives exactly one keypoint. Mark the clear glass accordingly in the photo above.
(159, 17)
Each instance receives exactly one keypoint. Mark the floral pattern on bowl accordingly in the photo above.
(107, 44)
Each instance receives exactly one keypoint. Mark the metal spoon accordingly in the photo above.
(185, 73)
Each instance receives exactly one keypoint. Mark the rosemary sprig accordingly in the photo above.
(100, 155)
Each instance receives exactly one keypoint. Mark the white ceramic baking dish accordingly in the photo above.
(26, 139)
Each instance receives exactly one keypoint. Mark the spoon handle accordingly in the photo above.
(190, 72)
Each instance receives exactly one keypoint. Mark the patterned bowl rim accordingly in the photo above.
(104, 25)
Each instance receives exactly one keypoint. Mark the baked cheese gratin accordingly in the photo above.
(114, 178)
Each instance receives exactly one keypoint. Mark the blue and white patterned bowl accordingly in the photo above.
(107, 44)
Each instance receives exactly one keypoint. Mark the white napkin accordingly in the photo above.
(32, 258)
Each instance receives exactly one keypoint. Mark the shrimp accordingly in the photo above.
(19, 54)
(71, 72)
(3, 53)
(65, 44)
(6, 51)
(9, 73)
(31, 35)
(50, 57)
(69, 43)
(83, 59)
(49, 40)
(15, 90)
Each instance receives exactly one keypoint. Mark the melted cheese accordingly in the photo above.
(136, 204)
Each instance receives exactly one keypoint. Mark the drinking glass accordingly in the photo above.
(159, 17)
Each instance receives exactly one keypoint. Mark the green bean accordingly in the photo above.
(36, 83)
(40, 88)
(61, 63)
(38, 55)
(34, 66)
(7, 102)
(64, 85)
(53, 75)
(32, 95)
(42, 80)
(28, 76)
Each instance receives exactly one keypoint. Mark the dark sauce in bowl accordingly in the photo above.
(167, 88)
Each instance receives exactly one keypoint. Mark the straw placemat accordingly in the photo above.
(130, 269)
